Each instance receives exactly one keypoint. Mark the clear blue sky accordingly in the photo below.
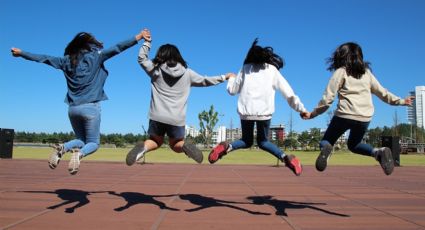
(213, 37)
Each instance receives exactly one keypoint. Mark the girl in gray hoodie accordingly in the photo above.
(171, 81)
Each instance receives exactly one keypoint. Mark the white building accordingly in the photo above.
(219, 135)
(191, 131)
(416, 113)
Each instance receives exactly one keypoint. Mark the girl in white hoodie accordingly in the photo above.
(256, 84)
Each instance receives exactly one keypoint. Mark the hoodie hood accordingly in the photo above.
(175, 71)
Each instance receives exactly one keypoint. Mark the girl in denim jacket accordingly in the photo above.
(85, 73)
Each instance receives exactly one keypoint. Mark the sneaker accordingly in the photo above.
(135, 154)
(74, 162)
(293, 164)
(322, 159)
(191, 151)
(218, 152)
(56, 156)
(385, 158)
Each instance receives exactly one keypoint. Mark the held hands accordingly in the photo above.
(305, 115)
(144, 34)
(16, 52)
(229, 75)
(409, 100)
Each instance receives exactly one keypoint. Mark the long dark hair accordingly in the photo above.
(350, 56)
(261, 55)
(169, 54)
(82, 41)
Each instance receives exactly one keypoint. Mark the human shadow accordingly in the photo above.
(208, 202)
(134, 198)
(282, 205)
(69, 196)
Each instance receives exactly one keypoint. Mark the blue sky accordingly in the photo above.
(213, 37)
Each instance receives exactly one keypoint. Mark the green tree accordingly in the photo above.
(374, 136)
(291, 141)
(315, 138)
(304, 139)
(207, 122)
(199, 139)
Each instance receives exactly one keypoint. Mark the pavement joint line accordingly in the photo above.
(163, 212)
(371, 207)
(286, 220)
(27, 219)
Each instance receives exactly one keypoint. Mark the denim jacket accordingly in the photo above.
(85, 82)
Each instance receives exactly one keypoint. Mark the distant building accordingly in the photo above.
(219, 135)
(233, 134)
(416, 113)
(277, 133)
(191, 131)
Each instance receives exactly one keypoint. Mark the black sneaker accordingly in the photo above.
(135, 154)
(191, 151)
(385, 158)
(322, 159)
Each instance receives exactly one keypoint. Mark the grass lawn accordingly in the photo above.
(251, 156)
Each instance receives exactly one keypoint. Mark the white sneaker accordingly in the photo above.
(56, 155)
(74, 162)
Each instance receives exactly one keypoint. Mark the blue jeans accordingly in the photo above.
(357, 129)
(85, 121)
(263, 128)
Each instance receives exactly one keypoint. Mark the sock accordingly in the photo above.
(375, 154)
(283, 157)
(140, 155)
(229, 148)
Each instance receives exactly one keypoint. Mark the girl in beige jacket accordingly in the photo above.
(354, 84)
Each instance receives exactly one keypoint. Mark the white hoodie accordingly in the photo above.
(257, 85)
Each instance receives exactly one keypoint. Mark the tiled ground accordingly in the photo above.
(189, 196)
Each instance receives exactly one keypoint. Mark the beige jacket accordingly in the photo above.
(355, 96)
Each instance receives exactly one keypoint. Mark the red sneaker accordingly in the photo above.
(218, 152)
(293, 164)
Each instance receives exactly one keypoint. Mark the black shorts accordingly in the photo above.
(157, 128)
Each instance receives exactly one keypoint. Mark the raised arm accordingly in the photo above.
(55, 62)
(385, 95)
(286, 90)
(331, 91)
(234, 83)
(120, 47)
(143, 58)
(201, 81)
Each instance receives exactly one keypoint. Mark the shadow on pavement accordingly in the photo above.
(208, 202)
(282, 205)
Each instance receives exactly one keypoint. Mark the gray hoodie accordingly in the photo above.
(170, 88)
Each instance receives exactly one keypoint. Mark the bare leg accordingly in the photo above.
(176, 145)
(153, 143)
